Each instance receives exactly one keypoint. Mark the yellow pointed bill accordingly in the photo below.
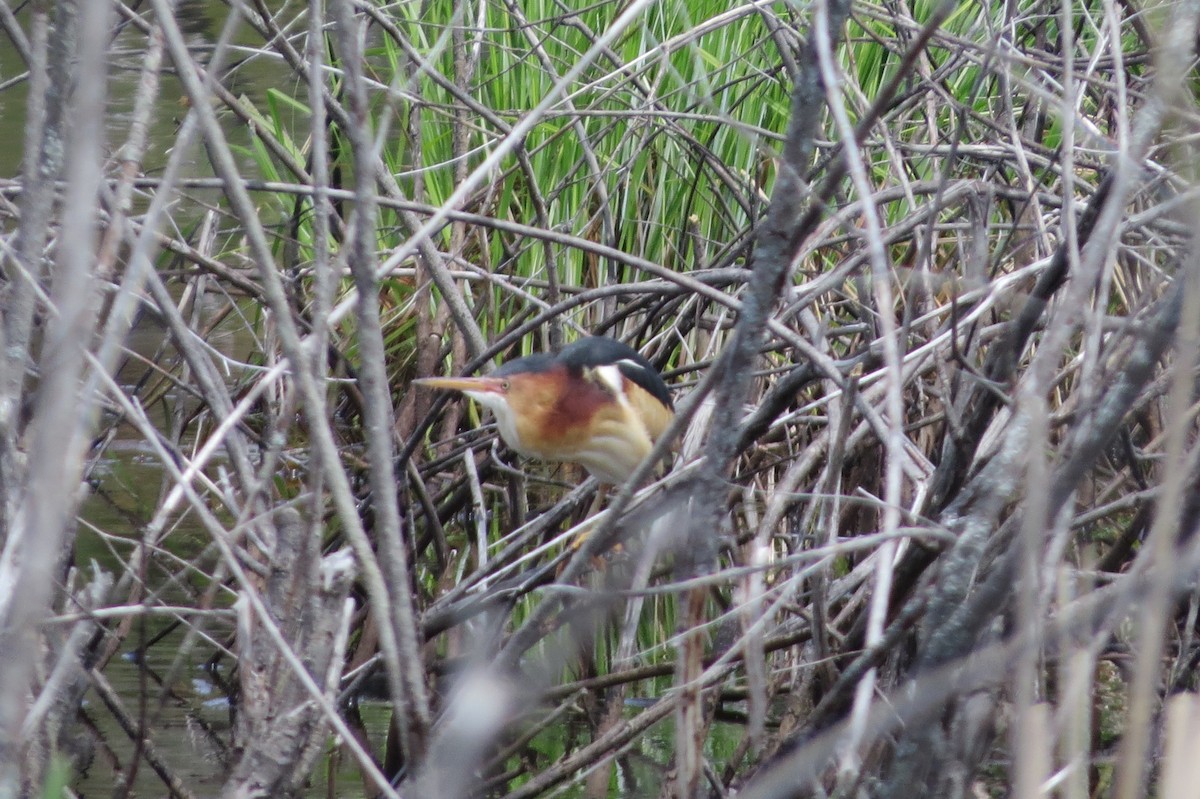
(481, 384)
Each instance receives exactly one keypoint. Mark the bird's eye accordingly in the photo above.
(504, 384)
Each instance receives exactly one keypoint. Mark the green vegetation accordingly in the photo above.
(925, 525)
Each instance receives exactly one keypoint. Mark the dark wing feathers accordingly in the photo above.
(600, 351)
(595, 351)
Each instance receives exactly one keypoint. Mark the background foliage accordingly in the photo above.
(921, 275)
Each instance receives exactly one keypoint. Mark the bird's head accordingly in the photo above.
(516, 392)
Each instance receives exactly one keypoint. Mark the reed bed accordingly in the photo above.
(922, 276)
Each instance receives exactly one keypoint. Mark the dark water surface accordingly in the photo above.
(250, 73)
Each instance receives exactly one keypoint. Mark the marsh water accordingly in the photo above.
(201, 22)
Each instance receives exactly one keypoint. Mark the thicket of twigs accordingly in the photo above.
(922, 275)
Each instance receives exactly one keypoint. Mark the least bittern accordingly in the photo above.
(597, 403)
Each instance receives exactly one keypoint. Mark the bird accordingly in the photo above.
(597, 403)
